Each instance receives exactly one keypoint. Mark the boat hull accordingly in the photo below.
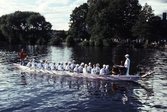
(81, 75)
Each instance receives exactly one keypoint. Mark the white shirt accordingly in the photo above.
(29, 64)
(85, 70)
(127, 65)
(102, 71)
(89, 68)
(93, 71)
(97, 70)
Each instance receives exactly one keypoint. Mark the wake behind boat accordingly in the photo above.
(108, 76)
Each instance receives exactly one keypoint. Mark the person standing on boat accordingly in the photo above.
(127, 64)
(22, 57)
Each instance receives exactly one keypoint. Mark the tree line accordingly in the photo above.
(96, 23)
(101, 22)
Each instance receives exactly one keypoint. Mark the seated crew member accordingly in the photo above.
(60, 66)
(107, 69)
(102, 70)
(34, 64)
(29, 64)
(53, 66)
(47, 66)
(97, 68)
(81, 67)
(40, 65)
(85, 69)
(76, 68)
(93, 71)
(68, 67)
(89, 68)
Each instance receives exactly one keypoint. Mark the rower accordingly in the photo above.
(40, 65)
(68, 67)
(103, 70)
(97, 68)
(34, 64)
(89, 68)
(47, 66)
(29, 63)
(85, 69)
(107, 69)
(76, 69)
(73, 64)
(60, 66)
(53, 66)
(93, 71)
(81, 66)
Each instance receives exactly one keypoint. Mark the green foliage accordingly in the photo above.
(142, 28)
(69, 40)
(25, 27)
(78, 29)
(106, 42)
(109, 18)
(54, 41)
(85, 43)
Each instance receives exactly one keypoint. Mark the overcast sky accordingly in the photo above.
(57, 12)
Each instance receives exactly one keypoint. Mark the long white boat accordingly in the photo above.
(92, 76)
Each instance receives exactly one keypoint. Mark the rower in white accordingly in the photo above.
(40, 65)
(81, 66)
(34, 64)
(89, 68)
(107, 69)
(60, 67)
(76, 68)
(97, 68)
(29, 63)
(102, 70)
(85, 69)
(93, 71)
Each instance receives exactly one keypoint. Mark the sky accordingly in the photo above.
(57, 12)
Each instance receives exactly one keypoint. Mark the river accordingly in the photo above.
(48, 93)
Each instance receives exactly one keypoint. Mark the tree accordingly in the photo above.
(25, 27)
(142, 27)
(108, 19)
(78, 29)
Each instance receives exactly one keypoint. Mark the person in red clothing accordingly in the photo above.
(22, 57)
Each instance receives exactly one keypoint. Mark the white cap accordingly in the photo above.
(127, 55)
(82, 63)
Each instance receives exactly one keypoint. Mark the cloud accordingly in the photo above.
(57, 12)
(157, 5)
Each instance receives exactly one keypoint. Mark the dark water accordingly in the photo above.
(51, 93)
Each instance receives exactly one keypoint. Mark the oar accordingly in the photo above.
(148, 73)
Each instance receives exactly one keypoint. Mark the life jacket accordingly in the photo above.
(22, 55)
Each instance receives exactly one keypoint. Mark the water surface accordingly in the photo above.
(50, 93)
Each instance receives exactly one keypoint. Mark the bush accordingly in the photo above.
(54, 41)
(106, 42)
(85, 43)
(70, 40)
